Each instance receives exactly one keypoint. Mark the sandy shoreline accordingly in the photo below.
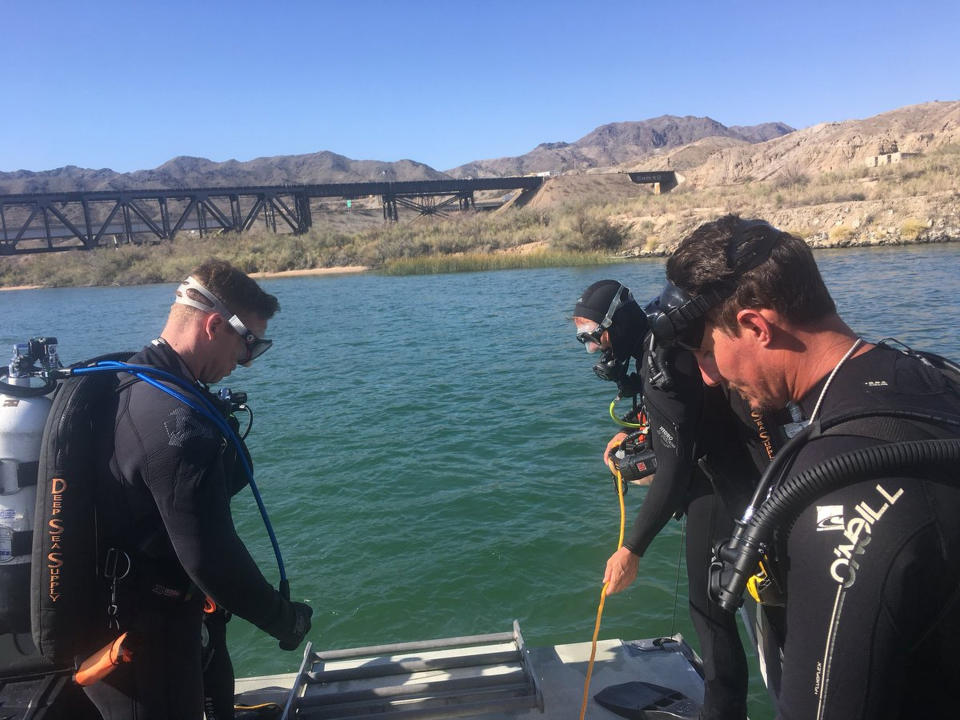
(312, 271)
(347, 269)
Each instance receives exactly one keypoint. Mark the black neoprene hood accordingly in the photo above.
(595, 300)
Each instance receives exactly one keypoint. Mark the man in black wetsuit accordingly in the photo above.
(686, 421)
(166, 477)
(871, 569)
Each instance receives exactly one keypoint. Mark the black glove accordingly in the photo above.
(292, 624)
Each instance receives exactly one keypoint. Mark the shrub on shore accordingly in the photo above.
(473, 262)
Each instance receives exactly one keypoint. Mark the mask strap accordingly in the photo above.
(215, 304)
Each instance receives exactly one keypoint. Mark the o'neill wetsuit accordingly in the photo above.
(873, 570)
(166, 476)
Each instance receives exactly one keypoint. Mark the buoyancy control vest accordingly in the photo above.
(65, 568)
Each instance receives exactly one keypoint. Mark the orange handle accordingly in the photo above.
(103, 662)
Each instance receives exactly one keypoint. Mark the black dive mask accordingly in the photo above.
(678, 319)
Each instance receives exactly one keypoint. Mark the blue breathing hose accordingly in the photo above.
(202, 405)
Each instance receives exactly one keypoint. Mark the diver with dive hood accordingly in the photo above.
(684, 422)
(166, 545)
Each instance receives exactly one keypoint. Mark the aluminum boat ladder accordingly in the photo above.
(449, 677)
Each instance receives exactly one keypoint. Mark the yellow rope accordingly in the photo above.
(603, 597)
(261, 706)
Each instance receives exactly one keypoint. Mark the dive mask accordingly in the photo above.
(256, 346)
(593, 335)
(590, 335)
(678, 318)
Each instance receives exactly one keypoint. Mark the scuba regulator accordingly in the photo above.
(37, 351)
(232, 402)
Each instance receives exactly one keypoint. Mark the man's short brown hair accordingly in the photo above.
(752, 265)
(237, 290)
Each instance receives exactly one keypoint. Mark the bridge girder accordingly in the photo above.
(45, 222)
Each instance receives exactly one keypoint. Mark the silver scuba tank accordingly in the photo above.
(24, 406)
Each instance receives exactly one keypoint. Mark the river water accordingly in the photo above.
(429, 447)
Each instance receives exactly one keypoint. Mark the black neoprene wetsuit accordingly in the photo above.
(873, 570)
(686, 422)
(165, 480)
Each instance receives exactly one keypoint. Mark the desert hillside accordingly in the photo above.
(194, 172)
(827, 147)
(608, 145)
(617, 144)
(820, 182)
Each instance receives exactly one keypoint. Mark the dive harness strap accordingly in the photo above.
(27, 473)
(21, 542)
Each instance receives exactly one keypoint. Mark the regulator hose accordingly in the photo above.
(618, 421)
(789, 500)
(202, 405)
(935, 459)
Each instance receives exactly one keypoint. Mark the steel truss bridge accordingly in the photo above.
(45, 222)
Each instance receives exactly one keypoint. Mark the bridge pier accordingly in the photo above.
(46, 225)
(304, 216)
(165, 219)
(236, 217)
(87, 239)
(389, 202)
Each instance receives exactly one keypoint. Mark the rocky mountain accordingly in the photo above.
(619, 144)
(823, 148)
(705, 151)
(761, 132)
(193, 172)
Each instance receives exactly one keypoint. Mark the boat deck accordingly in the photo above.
(490, 677)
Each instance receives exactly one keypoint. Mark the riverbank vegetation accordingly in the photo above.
(588, 219)
(517, 239)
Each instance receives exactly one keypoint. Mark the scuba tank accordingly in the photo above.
(24, 407)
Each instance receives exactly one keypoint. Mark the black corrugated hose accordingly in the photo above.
(936, 460)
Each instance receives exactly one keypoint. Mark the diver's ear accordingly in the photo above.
(213, 324)
(754, 325)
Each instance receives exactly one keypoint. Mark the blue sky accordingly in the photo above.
(129, 85)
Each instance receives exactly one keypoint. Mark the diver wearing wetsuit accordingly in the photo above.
(873, 581)
(871, 571)
(685, 423)
(163, 501)
(689, 422)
